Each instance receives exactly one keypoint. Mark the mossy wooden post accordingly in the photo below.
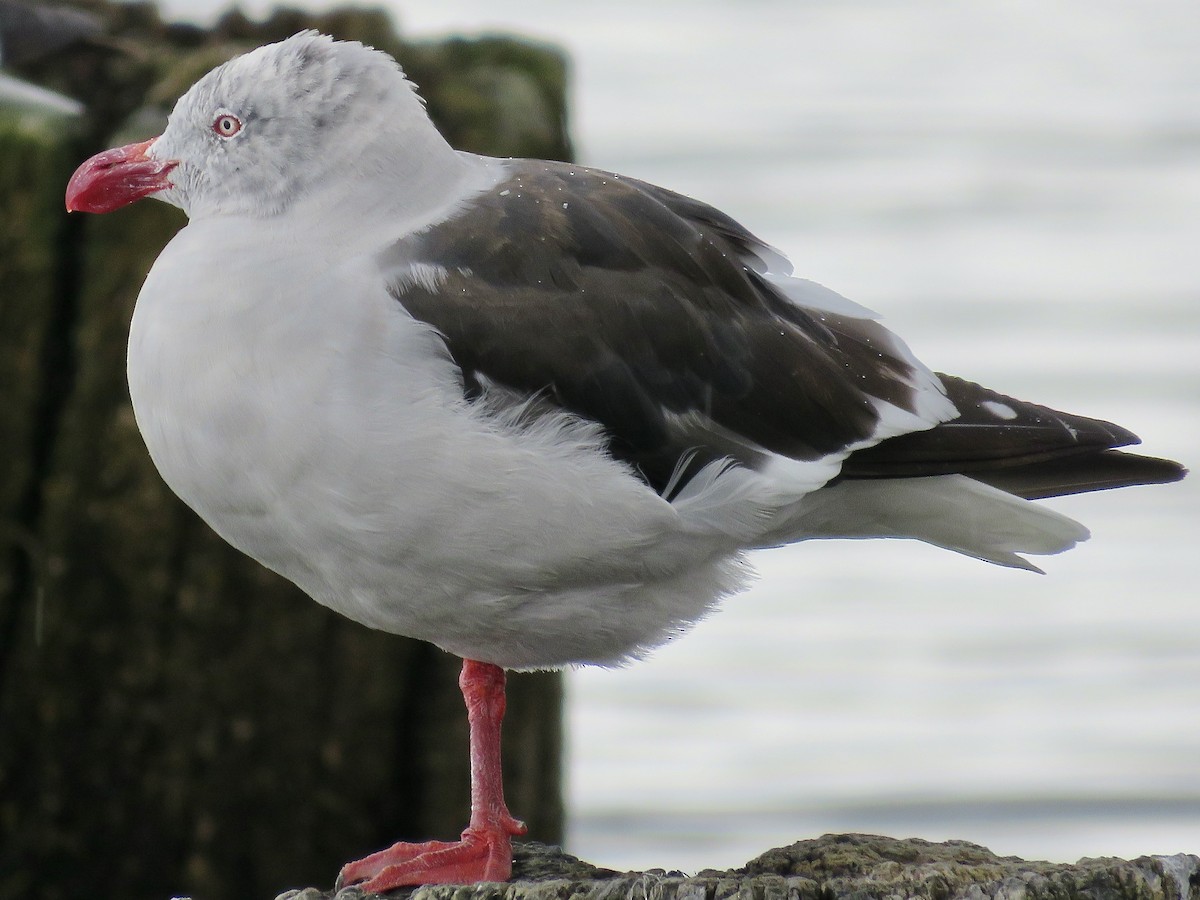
(174, 719)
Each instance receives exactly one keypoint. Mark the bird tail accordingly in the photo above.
(949, 511)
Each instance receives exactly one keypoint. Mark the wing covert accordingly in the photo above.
(652, 314)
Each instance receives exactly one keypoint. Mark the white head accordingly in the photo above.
(265, 129)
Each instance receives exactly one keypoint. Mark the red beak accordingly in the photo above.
(116, 178)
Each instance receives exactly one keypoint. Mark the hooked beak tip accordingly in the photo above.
(116, 178)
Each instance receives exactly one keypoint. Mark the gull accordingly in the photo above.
(531, 412)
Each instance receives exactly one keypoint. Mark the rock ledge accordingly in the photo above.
(852, 866)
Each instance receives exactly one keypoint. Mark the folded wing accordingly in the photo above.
(690, 341)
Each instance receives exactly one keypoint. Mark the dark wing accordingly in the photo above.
(657, 316)
(651, 314)
(1022, 448)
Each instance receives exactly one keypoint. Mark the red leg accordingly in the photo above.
(484, 853)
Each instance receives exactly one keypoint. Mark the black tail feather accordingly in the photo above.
(1082, 473)
(1025, 449)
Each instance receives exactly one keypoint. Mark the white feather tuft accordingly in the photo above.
(815, 296)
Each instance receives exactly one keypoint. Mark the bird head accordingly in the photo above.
(262, 130)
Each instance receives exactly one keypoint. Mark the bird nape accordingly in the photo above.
(531, 412)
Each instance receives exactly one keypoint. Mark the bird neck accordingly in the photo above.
(387, 192)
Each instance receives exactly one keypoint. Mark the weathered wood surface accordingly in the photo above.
(833, 867)
(173, 718)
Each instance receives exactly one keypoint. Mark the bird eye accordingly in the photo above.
(226, 125)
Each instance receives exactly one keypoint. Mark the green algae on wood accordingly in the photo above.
(176, 718)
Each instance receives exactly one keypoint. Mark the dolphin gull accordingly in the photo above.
(531, 412)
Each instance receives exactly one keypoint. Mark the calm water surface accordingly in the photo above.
(1016, 186)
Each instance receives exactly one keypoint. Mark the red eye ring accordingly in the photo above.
(226, 125)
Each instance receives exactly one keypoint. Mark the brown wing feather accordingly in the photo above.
(648, 312)
(638, 308)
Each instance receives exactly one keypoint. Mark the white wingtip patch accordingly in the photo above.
(999, 410)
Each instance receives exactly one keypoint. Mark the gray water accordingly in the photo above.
(1016, 187)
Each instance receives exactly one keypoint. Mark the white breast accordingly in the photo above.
(318, 428)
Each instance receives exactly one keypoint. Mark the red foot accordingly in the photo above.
(481, 855)
(485, 851)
